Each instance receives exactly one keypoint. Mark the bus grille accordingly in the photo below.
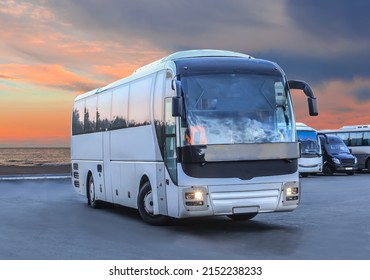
(224, 201)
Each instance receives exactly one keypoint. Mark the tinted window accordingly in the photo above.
(355, 139)
(90, 114)
(104, 110)
(139, 109)
(78, 117)
(366, 139)
(119, 107)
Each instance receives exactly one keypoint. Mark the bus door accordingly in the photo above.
(106, 168)
(164, 178)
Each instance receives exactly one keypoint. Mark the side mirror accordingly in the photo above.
(311, 100)
(177, 101)
(177, 106)
(312, 106)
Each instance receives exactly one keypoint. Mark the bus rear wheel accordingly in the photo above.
(91, 198)
(242, 217)
(145, 206)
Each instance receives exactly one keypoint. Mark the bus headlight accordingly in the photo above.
(195, 197)
(291, 192)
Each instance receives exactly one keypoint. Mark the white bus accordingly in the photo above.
(197, 133)
(310, 161)
(357, 139)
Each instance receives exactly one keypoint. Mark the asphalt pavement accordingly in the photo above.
(45, 219)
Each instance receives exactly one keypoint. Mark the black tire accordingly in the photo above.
(91, 198)
(327, 170)
(368, 165)
(242, 217)
(145, 207)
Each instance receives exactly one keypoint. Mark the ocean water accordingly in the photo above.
(34, 156)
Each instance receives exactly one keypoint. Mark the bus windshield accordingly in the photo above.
(236, 109)
(309, 142)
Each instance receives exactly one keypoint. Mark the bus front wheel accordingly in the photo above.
(145, 206)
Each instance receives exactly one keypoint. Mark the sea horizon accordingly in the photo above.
(34, 156)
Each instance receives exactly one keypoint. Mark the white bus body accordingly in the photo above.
(310, 161)
(357, 139)
(197, 133)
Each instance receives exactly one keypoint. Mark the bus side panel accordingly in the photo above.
(87, 152)
(133, 144)
(123, 183)
(87, 147)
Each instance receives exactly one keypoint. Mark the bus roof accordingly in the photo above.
(194, 53)
(303, 126)
(349, 128)
(158, 64)
(354, 127)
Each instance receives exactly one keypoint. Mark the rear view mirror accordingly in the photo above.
(177, 106)
(311, 100)
(312, 106)
(177, 101)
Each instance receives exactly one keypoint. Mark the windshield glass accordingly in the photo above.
(309, 142)
(335, 149)
(236, 108)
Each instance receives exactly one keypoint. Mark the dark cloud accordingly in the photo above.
(168, 24)
(362, 94)
(188, 24)
(330, 19)
(317, 69)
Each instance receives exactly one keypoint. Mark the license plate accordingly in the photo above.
(348, 168)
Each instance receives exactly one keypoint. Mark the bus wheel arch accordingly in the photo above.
(145, 204)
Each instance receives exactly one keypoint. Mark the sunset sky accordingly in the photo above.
(53, 50)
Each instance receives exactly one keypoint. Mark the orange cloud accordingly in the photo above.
(47, 75)
(117, 71)
(338, 104)
(24, 9)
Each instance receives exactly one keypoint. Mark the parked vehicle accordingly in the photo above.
(357, 138)
(197, 133)
(337, 158)
(310, 161)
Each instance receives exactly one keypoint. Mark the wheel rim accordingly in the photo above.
(92, 191)
(148, 203)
